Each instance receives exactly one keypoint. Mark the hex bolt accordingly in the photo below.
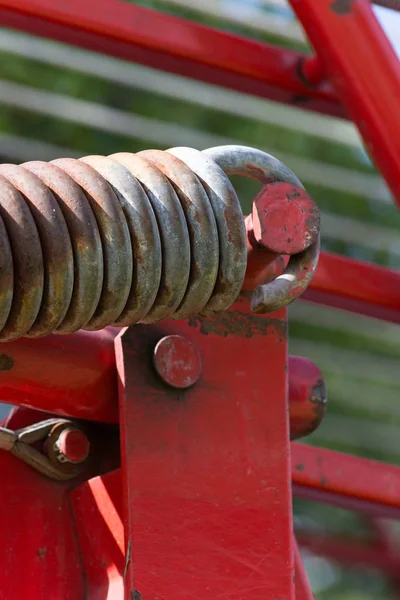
(284, 221)
(177, 361)
(72, 446)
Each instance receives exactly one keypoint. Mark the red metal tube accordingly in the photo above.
(75, 376)
(303, 588)
(344, 476)
(71, 375)
(171, 44)
(307, 397)
(356, 286)
(364, 70)
(351, 552)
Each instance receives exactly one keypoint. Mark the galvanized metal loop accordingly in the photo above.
(258, 165)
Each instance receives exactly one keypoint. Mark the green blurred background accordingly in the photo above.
(58, 101)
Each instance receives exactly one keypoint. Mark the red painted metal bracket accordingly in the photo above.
(206, 470)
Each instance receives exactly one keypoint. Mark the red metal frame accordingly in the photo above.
(208, 502)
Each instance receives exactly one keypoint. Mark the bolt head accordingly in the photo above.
(285, 219)
(177, 361)
(72, 446)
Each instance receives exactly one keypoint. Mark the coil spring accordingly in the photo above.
(124, 239)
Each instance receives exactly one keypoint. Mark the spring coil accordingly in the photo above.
(123, 239)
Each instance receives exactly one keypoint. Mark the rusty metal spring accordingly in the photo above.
(122, 239)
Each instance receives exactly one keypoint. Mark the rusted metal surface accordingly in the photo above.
(177, 361)
(173, 231)
(202, 229)
(146, 237)
(307, 397)
(85, 241)
(229, 220)
(55, 258)
(115, 269)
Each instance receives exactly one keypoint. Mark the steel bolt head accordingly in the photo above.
(72, 446)
(177, 361)
(285, 219)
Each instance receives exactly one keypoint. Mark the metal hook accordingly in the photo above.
(258, 165)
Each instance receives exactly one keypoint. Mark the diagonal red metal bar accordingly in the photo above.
(351, 552)
(356, 286)
(302, 585)
(172, 44)
(392, 4)
(334, 475)
(363, 67)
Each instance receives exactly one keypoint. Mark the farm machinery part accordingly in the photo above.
(156, 241)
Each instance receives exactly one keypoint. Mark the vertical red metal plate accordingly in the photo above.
(206, 470)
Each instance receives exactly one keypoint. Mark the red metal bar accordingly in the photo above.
(97, 510)
(205, 470)
(303, 588)
(333, 474)
(71, 375)
(392, 4)
(351, 552)
(77, 378)
(356, 286)
(172, 44)
(364, 70)
(307, 397)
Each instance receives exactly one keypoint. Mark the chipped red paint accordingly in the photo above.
(285, 219)
(177, 361)
(254, 168)
(197, 495)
